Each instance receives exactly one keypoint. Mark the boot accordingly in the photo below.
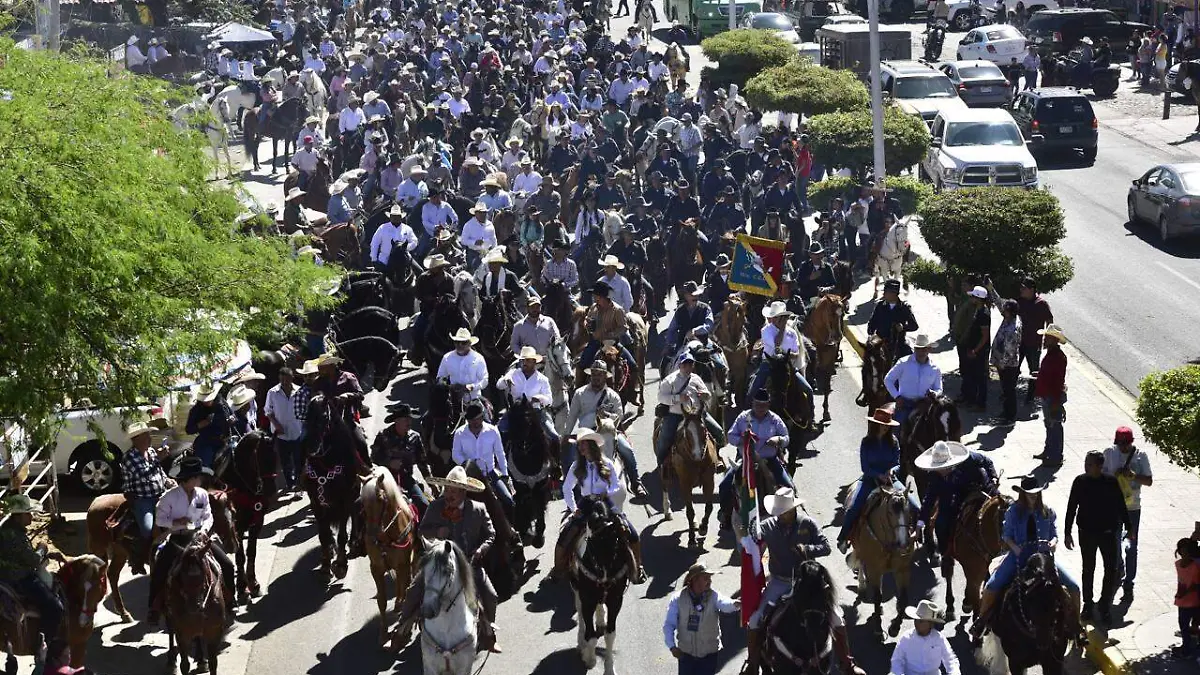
(357, 548)
(488, 641)
(635, 550)
(753, 652)
(982, 616)
(841, 648)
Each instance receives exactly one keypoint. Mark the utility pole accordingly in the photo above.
(876, 92)
(53, 42)
(1166, 89)
(46, 25)
(732, 14)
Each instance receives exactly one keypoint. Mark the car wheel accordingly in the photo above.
(95, 472)
(1164, 232)
(962, 21)
(1132, 208)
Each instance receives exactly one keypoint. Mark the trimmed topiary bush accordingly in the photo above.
(909, 190)
(743, 53)
(1168, 410)
(802, 88)
(846, 140)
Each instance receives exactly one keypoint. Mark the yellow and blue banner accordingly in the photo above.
(757, 265)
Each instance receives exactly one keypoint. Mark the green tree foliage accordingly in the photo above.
(910, 190)
(1169, 412)
(802, 88)
(740, 54)
(845, 139)
(119, 256)
(1002, 232)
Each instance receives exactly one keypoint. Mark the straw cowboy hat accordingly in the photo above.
(435, 261)
(370, 97)
(312, 119)
(418, 169)
(308, 368)
(240, 396)
(137, 429)
(458, 478)
(479, 207)
(528, 352)
(697, 570)
(775, 309)
(19, 504)
(599, 366)
(489, 182)
(585, 434)
(782, 501)
(611, 261)
(293, 194)
(205, 392)
(339, 186)
(943, 455)
(247, 375)
(328, 359)
(922, 341)
(926, 610)
(884, 415)
(496, 255)
(464, 335)
(1055, 331)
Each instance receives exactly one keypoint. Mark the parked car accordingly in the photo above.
(1168, 197)
(919, 89)
(1175, 83)
(960, 10)
(997, 43)
(774, 21)
(1057, 118)
(978, 148)
(980, 83)
(1058, 31)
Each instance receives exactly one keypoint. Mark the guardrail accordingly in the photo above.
(34, 475)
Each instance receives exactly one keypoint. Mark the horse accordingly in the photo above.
(283, 125)
(373, 359)
(505, 560)
(249, 479)
(446, 407)
(1189, 74)
(823, 326)
(402, 271)
(389, 537)
(882, 543)
(369, 320)
(449, 610)
(730, 334)
(316, 94)
(798, 631)
(80, 584)
(562, 377)
(316, 193)
(333, 457)
(788, 401)
(656, 250)
(531, 466)
(934, 419)
(251, 136)
(1031, 624)
(877, 361)
(227, 106)
(693, 461)
(610, 228)
(642, 291)
(559, 305)
(445, 318)
(977, 541)
(194, 116)
(195, 603)
(341, 244)
(599, 576)
(685, 261)
(494, 330)
(677, 61)
(645, 19)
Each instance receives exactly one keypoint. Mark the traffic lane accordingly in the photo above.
(1128, 306)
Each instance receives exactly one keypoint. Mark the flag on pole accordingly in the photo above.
(757, 265)
(754, 576)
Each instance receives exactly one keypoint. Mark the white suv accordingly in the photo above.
(978, 147)
(919, 89)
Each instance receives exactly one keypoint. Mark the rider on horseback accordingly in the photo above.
(913, 378)
(400, 449)
(621, 293)
(891, 319)
(560, 267)
(594, 476)
(432, 284)
(1029, 526)
(814, 274)
(779, 337)
(598, 406)
(957, 474)
(683, 385)
(690, 317)
(185, 508)
(770, 436)
(480, 442)
(464, 368)
(20, 562)
(144, 483)
(525, 382)
(879, 456)
(607, 322)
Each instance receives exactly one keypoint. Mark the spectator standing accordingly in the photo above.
(1051, 388)
(1097, 501)
(1006, 356)
(972, 351)
(692, 629)
(1035, 315)
(1187, 593)
(1131, 467)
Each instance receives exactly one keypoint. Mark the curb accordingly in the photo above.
(852, 337)
(1110, 660)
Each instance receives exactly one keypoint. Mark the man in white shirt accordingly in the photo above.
(464, 367)
(436, 213)
(683, 386)
(526, 382)
(598, 406)
(480, 443)
(478, 235)
(913, 378)
(413, 189)
(313, 62)
(133, 54)
(512, 158)
(393, 232)
(280, 409)
(458, 104)
(620, 89)
(305, 160)
(527, 182)
(312, 127)
(621, 293)
(778, 337)
(924, 650)
(157, 52)
(351, 117)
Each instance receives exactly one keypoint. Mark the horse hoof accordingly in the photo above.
(826, 417)
(950, 613)
(894, 629)
(126, 617)
(667, 515)
(539, 541)
(255, 590)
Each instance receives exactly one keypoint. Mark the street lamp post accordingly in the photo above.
(732, 14)
(876, 92)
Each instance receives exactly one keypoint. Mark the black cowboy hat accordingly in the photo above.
(561, 244)
(601, 289)
(816, 248)
(718, 163)
(189, 467)
(762, 396)
(400, 411)
(892, 285)
(436, 192)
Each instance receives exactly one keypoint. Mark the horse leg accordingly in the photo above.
(948, 575)
(239, 568)
(173, 651)
(707, 482)
(212, 647)
(666, 490)
(119, 556)
(340, 565)
(900, 576)
(325, 537)
(251, 577)
(613, 602)
(875, 583)
(201, 656)
(379, 574)
(686, 489)
(827, 384)
(587, 631)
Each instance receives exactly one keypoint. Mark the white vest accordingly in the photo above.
(706, 639)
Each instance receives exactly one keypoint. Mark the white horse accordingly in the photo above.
(611, 229)
(450, 609)
(277, 77)
(561, 375)
(316, 95)
(193, 116)
(227, 106)
(467, 295)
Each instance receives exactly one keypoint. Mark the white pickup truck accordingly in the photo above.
(978, 147)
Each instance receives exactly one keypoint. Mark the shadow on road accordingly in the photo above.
(359, 652)
(291, 597)
(1178, 248)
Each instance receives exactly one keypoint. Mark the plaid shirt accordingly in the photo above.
(143, 477)
(300, 401)
(565, 271)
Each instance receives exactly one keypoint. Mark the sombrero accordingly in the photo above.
(528, 352)
(943, 455)
(463, 335)
(458, 478)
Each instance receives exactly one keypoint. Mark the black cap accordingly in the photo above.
(892, 285)
(601, 289)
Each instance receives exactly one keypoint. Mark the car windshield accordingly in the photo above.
(980, 72)
(771, 22)
(983, 133)
(925, 87)
(1072, 109)
(1003, 33)
(1191, 180)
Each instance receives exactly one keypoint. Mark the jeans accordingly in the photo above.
(1009, 567)
(698, 665)
(670, 426)
(974, 373)
(1131, 557)
(1031, 79)
(690, 164)
(849, 244)
(570, 450)
(588, 355)
(764, 369)
(207, 452)
(36, 591)
(1053, 416)
(802, 191)
(473, 259)
(291, 459)
(862, 492)
(778, 471)
(864, 249)
(502, 493)
(1107, 543)
(543, 419)
(143, 513)
(1008, 391)
(424, 243)
(420, 324)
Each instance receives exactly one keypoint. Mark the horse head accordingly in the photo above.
(447, 574)
(558, 361)
(193, 578)
(253, 461)
(1036, 603)
(85, 583)
(804, 623)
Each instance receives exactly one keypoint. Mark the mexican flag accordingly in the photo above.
(754, 576)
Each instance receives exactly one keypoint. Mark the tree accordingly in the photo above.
(740, 54)
(1168, 410)
(1006, 233)
(119, 256)
(846, 139)
(802, 88)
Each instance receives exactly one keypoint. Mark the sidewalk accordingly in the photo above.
(1144, 629)
(1136, 112)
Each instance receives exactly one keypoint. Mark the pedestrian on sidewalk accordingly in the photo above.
(1097, 500)
(959, 310)
(1131, 467)
(1051, 388)
(692, 629)
(1187, 593)
(1035, 315)
(1006, 357)
(973, 352)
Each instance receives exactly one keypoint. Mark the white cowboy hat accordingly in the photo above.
(247, 375)
(611, 261)
(328, 359)
(1054, 331)
(926, 610)
(133, 39)
(153, 41)
(418, 169)
(309, 250)
(463, 335)
(19, 504)
(943, 455)
(353, 174)
(309, 368)
(496, 255)
(978, 292)
(472, 161)
(478, 133)
(240, 396)
(479, 206)
(205, 392)
(782, 501)
(396, 210)
(586, 434)
(528, 352)
(137, 429)
(356, 56)
(777, 308)
(435, 261)
(339, 186)
(370, 97)
(294, 193)
(312, 119)
(458, 478)
(922, 341)
(514, 139)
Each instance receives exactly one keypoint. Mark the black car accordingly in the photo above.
(1056, 118)
(1058, 31)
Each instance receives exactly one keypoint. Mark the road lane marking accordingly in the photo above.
(1180, 275)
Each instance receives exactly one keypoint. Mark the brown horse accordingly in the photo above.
(730, 334)
(195, 603)
(81, 584)
(249, 478)
(316, 194)
(693, 459)
(341, 244)
(977, 541)
(107, 541)
(823, 326)
(332, 461)
(505, 222)
(883, 543)
(391, 544)
(685, 262)
(877, 361)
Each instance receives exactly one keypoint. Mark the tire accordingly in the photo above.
(94, 472)
(1133, 219)
(961, 21)
(1164, 232)
(1089, 154)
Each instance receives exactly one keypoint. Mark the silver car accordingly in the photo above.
(1167, 196)
(980, 84)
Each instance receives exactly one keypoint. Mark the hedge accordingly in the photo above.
(1168, 411)
(910, 190)
(802, 88)
(741, 54)
(846, 139)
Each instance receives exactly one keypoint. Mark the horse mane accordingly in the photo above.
(437, 561)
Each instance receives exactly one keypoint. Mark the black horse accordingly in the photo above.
(559, 305)
(798, 633)
(402, 271)
(249, 478)
(334, 450)
(445, 412)
(497, 316)
(445, 318)
(365, 321)
(530, 466)
(365, 289)
(283, 126)
(348, 151)
(656, 274)
(791, 403)
(1034, 618)
(599, 578)
(373, 359)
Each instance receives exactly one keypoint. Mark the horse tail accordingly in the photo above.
(991, 655)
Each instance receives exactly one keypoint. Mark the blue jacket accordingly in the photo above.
(1016, 525)
(878, 456)
(781, 200)
(684, 321)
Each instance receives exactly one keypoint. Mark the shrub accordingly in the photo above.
(845, 139)
(910, 190)
(802, 88)
(741, 54)
(1169, 412)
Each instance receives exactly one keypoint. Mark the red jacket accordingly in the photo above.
(1052, 375)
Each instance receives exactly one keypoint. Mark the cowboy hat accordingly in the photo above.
(495, 255)
(19, 504)
(478, 133)
(479, 206)
(370, 96)
(782, 501)
(696, 570)
(308, 368)
(312, 119)
(137, 429)
(777, 308)
(528, 352)
(514, 139)
(396, 210)
(599, 366)
(444, 234)
(978, 292)
(400, 411)
(525, 161)
(1030, 485)
(189, 467)
(463, 335)
(328, 359)
(922, 341)
(585, 434)
(943, 455)
(294, 193)
(247, 375)
(133, 39)
(1055, 331)
(723, 261)
(472, 161)
(458, 478)
(339, 186)
(611, 261)
(418, 169)
(205, 392)
(489, 182)
(926, 610)
(353, 174)
(240, 396)
(884, 415)
(692, 288)
(309, 250)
